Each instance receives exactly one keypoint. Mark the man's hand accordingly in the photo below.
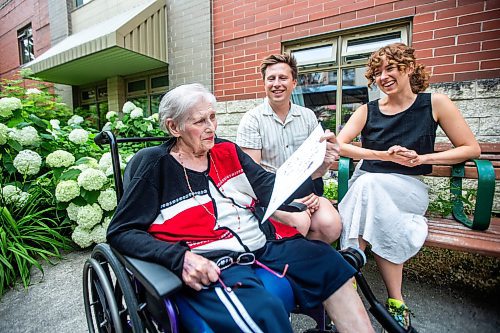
(198, 271)
(332, 153)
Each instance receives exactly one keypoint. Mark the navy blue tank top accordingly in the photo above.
(414, 128)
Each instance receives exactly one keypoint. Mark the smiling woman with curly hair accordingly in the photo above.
(387, 200)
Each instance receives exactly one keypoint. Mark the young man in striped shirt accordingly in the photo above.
(272, 131)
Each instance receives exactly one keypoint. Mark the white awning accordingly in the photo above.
(131, 42)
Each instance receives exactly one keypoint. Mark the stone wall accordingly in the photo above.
(189, 42)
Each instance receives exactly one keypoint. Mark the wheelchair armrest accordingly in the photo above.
(156, 279)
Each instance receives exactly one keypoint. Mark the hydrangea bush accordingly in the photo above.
(52, 170)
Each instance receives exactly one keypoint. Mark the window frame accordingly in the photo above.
(22, 36)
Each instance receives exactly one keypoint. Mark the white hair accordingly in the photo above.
(177, 102)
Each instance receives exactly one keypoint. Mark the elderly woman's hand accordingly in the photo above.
(198, 272)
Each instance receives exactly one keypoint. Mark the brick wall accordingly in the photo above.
(458, 40)
(14, 15)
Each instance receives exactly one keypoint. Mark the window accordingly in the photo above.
(93, 105)
(147, 92)
(339, 60)
(25, 41)
(79, 3)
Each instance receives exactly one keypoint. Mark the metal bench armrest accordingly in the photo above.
(346, 168)
(484, 199)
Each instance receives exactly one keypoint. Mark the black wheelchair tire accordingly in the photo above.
(122, 287)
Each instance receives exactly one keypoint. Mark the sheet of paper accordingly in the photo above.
(303, 162)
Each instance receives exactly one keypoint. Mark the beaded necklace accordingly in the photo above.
(222, 190)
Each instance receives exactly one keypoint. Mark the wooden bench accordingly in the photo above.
(479, 235)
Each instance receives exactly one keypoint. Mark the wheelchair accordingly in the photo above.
(125, 294)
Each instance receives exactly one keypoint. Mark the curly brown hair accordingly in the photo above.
(403, 56)
(274, 59)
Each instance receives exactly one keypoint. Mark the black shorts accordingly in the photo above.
(315, 271)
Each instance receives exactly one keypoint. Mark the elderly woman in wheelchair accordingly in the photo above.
(192, 205)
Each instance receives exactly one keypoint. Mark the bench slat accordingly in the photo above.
(446, 233)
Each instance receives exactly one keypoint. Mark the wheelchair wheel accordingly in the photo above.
(110, 301)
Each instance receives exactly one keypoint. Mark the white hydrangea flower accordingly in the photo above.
(98, 234)
(72, 211)
(75, 120)
(106, 127)
(55, 123)
(9, 104)
(136, 113)
(82, 237)
(60, 158)
(15, 196)
(92, 179)
(106, 162)
(4, 134)
(107, 199)
(23, 199)
(27, 162)
(10, 193)
(67, 190)
(89, 216)
(78, 136)
(91, 162)
(26, 136)
(128, 107)
(155, 116)
(106, 222)
(33, 91)
(111, 114)
(120, 125)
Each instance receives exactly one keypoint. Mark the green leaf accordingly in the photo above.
(70, 174)
(15, 145)
(46, 136)
(90, 196)
(79, 200)
(37, 121)
(82, 160)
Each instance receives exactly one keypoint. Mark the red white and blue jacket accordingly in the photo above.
(158, 218)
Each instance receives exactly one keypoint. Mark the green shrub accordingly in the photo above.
(55, 182)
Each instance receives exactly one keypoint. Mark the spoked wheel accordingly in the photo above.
(110, 302)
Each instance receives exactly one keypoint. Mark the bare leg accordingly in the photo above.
(392, 274)
(325, 223)
(300, 221)
(346, 310)
(362, 243)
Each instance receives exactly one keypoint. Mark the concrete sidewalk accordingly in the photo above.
(55, 304)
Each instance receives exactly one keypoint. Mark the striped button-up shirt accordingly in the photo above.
(260, 128)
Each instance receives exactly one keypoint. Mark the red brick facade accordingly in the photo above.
(16, 15)
(457, 39)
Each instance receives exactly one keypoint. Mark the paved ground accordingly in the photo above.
(54, 304)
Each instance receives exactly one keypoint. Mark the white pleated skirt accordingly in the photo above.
(386, 210)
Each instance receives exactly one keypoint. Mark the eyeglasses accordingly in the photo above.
(245, 259)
